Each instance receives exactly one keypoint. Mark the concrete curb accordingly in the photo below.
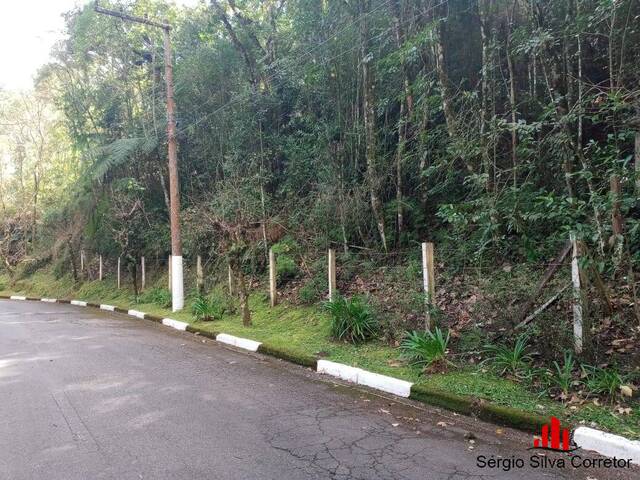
(600, 442)
(359, 376)
(243, 343)
(607, 444)
(169, 322)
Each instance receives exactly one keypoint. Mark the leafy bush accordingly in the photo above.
(352, 320)
(311, 291)
(514, 361)
(425, 348)
(286, 267)
(157, 296)
(207, 309)
(603, 381)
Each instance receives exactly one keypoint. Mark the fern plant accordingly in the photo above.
(425, 348)
(352, 320)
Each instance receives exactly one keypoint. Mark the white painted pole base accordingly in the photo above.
(177, 292)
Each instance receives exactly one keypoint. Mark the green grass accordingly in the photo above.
(307, 330)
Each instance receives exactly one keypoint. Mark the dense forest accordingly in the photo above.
(492, 128)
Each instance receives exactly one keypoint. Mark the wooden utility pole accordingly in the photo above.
(177, 285)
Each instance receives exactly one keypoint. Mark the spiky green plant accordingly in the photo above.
(206, 309)
(352, 319)
(563, 375)
(425, 348)
(514, 361)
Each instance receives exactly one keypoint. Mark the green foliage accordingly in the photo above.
(312, 291)
(158, 296)
(562, 376)
(206, 309)
(352, 319)
(603, 381)
(118, 152)
(512, 360)
(425, 348)
(286, 268)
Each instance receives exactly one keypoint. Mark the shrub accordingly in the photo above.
(311, 291)
(352, 320)
(286, 267)
(206, 309)
(157, 296)
(511, 360)
(425, 348)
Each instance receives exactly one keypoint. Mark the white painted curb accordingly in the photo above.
(110, 308)
(48, 300)
(17, 297)
(170, 322)
(136, 313)
(396, 386)
(344, 372)
(607, 444)
(79, 303)
(243, 343)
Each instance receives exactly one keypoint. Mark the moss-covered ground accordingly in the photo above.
(305, 329)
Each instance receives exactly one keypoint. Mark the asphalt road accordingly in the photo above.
(90, 395)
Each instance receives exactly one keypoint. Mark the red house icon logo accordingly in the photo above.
(553, 437)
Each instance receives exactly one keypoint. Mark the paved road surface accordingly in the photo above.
(89, 395)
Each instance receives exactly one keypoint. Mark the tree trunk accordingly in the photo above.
(512, 103)
(406, 105)
(443, 80)
(373, 179)
(484, 105)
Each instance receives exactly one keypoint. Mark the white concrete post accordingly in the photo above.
(118, 273)
(230, 276)
(100, 269)
(177, 286)
(144, 273)
(272, 278)
(199, 275)
(578, 332)
(331, 269)
(81, 262)
(428, 281)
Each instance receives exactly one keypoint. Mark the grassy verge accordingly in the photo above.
(305, 331)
